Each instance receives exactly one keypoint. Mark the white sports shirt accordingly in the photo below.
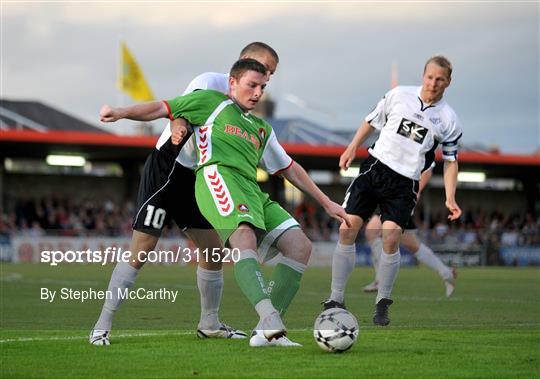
(274, 158)
(410, 130)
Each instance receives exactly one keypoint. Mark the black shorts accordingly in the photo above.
(167, 192)
(410, 226)
(379, 185)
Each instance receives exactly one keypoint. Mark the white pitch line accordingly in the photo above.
(10, 276)
(96, 283)
(439, 298)
(69, 338)
(362, 327)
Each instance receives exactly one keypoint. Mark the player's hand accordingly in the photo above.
(455, 210)
(178, 130)
(336, 211)
(347, 158)
(108, 114)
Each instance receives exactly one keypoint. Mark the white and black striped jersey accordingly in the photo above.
(411, 130)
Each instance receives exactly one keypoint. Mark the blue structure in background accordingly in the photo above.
(363, 256)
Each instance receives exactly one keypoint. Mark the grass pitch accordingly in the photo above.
(489, 329)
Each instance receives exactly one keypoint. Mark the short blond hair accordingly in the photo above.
(259, 47)
(440, 61)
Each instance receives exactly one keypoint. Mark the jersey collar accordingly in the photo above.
(247, 114)
(424, 105)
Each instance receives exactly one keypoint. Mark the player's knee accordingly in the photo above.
(243, 238)
(143, 242)
(296, 246)
(204, 238)
(410, 241)
(391, 238)
(373, 228)
(244, 234)
(372, 234)
(348, 235)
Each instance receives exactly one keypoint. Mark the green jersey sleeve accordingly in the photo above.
(195, 107)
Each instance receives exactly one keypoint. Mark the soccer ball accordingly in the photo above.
(335, 330)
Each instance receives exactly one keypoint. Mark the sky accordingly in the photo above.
(335, 57)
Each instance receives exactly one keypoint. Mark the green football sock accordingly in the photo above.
(283, 286)
(250, 280)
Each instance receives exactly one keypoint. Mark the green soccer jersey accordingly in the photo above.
(224, 134)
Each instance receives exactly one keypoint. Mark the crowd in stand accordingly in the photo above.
(476, 228)
(65, 217)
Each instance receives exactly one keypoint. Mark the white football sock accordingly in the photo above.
(376, 251)
(388, 270)
(428, 257)
(342, 266)
(210, 284)
(264, 308)
(122, 278)
(295, 265)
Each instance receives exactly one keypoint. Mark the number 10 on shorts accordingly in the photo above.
(154, 216)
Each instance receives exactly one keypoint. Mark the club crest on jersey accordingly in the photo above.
(262, 134)
(435, 120)
(410, 130)
(243, 208)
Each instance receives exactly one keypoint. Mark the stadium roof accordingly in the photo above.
(32, 129)
(102, 146)
(36, 116)
(301, 131)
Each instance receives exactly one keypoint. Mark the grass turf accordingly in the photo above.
(490, 328)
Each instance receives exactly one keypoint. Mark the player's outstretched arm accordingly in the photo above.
(138, 112)
(301, 180)
(349, 154)
(179, 129)
(450, 183)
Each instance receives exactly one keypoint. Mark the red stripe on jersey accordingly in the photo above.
(284, 169)
(168, 110)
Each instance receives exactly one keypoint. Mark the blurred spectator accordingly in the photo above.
(53, 216)
(440, 231)
(477, 230)
(35, 230)
(305, 215)
(509, 237)
(469, 236)
(493, 250)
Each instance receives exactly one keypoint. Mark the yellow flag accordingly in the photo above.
(131, 79)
